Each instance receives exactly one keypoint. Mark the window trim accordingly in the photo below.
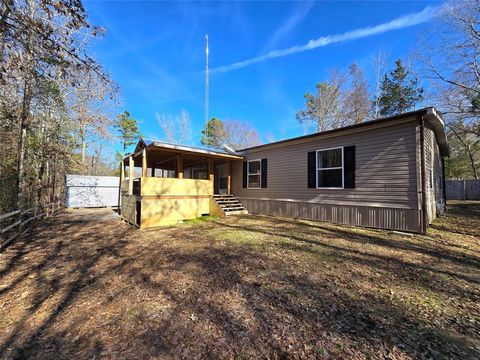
(259, 173)
(330, 168)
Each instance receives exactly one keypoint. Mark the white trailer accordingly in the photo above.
(85, 191)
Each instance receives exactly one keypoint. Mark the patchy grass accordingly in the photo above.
(201, 219)
(244, 287)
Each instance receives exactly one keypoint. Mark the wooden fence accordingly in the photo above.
(463, 189)
(18, 222)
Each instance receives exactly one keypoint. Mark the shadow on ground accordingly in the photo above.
(252, 287)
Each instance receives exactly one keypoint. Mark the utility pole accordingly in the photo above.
(206, 85)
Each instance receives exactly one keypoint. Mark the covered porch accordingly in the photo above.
(164, 183)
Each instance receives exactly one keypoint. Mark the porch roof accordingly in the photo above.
(161, 150)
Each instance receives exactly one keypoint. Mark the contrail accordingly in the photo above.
(399, 23)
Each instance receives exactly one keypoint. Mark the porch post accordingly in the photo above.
(130, 175)
(229, 170)
(179, 167)
(153, 170)
(210, 174)
(122, 178)
(144, 163)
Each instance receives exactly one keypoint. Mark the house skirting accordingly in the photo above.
(366, 216)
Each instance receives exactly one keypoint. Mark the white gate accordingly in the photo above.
(85, 191)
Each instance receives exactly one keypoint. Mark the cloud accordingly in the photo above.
(399, 23)
(301, 11)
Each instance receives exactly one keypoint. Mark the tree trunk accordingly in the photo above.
(21, 145)
(4, 13)
(54, 181)
(40, 182)
(472, 162)
(84, 144)
(20, 166)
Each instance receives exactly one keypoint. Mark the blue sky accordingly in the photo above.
(155, 51)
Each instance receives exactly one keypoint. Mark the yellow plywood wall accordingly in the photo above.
(168, 211)
(215, 209)
(171, 186)
(166, 201)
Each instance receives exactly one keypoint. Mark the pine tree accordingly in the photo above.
(214, 135)
(399, 91)
(128, 128)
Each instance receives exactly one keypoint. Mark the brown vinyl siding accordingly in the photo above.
(385, 193)
(433, 161)
(385, 170)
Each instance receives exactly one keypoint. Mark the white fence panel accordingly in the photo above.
(91, 191)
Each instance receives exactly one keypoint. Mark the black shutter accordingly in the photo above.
(245, 174)
(312, 169)
(264, 173)
(349, 167)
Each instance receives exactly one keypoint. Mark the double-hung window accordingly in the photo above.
(254, 176)
(330, 168)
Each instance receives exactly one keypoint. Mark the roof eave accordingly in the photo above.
(438, 124)
(184, 148)
(387, 119)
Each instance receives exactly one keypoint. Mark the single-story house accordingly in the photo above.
(386, 173)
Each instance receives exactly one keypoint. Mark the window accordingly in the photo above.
(330, 168)
(254, 174)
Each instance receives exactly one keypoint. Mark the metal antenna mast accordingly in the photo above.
(206, 84)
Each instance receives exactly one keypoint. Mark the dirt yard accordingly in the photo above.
(246, 287)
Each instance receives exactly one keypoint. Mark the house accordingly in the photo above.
(386, 173)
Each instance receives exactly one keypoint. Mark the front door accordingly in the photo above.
(221, 179)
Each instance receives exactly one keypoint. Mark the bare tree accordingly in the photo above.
(177, 129)
(270, 137)
(324, 108)
(342, 100)
(167, 125)
(380, 69)
(184, 127)
(43, 47)
(88, 103)
(240, 135)
(356, 100)
(451, 62)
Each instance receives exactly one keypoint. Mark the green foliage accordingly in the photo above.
(464, 143)
(128, 128)
(399, 91)
(118, 158)
(214, 135)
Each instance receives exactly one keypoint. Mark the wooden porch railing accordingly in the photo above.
(17, 221)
